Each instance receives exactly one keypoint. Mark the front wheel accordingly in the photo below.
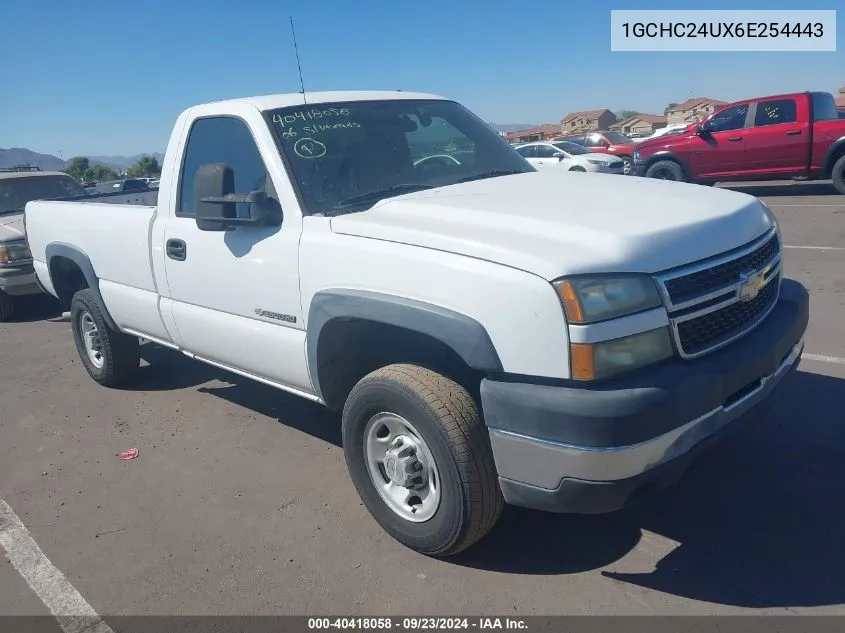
(626, 164)
(581, 169)
(109, 356)
(838, 175)
(420, 458)
(665, 170)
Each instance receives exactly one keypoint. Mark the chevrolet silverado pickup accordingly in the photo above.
(792, 136)
(489, 332)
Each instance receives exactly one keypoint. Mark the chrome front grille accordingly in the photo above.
(716, 301)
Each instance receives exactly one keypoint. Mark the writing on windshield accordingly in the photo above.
(348, 156)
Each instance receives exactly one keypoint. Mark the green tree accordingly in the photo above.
(100, 173)
(626, 114)
(77, 166)
(147, 166)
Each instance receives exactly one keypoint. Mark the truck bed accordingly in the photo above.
(112, 230)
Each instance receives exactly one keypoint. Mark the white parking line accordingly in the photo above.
(68, 606)
(824, 359)
(818, 248)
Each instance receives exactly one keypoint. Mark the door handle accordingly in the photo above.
(176, 249)
(734, 139)
(793, 132)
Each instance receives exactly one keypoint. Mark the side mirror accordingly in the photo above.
(559, 155)
(215, 201)
(703, 129)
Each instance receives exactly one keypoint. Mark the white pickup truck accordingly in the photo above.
(491, 333)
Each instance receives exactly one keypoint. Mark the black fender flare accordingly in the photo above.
(78, 257)
(827, 163)
(667, 155)
(464, 335)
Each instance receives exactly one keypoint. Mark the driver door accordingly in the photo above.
(721, 152)
(234, 295)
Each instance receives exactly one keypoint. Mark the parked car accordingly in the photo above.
(17, 188)
(121, 186)
(604, 142)
(608, 329)
(796, 135)
(664, 131)
(568, 156)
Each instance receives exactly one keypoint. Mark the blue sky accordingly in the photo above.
(105, 77)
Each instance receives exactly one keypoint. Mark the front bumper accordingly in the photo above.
(579, 449)
(19, 280)
(637, 170)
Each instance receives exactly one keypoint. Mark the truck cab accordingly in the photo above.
(769, 138)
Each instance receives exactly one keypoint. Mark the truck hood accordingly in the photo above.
(11, 227)
(553, 223)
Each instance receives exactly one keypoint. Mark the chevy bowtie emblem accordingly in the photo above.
(750, 284)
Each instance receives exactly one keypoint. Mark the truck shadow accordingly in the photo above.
(786, 188)
(759, 520)
(169, 370)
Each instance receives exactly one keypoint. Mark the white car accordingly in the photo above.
(569, 156)
(488, 332)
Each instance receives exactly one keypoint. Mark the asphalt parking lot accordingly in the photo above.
(240, 503)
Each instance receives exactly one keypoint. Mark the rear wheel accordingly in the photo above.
(420, 458)
(109, 356)
(665, 170)
(7, 307)
(838, 175)
(578, 169)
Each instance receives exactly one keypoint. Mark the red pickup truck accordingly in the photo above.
(792, 136)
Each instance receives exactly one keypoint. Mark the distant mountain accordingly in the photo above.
(124, 161)
(512, 127)
(15, 156)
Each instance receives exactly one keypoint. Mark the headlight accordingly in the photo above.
(591, 299)
(596, 162)
(636, 156)
(590, 361)
(11, 254)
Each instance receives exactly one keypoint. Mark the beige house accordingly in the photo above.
(692, 110)
(587, 120)
(640, 124)
(840, 99)
(544, 132)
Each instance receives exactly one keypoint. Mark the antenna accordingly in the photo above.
(298, 64)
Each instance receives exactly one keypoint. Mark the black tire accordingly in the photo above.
(120, 353)
(448, 419)
(578, 169)
(7, 307)
(665, 170)
(837, 174)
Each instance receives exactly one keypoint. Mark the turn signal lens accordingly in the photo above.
(570, 302)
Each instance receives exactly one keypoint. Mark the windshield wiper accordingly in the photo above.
(492, 174)
(381, 194)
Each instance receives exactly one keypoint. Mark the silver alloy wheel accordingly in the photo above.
(402, 467)
(91, 339)
(626, 166)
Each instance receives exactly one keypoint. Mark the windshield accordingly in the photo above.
(347, 156)
(617, 139)
(571, 148)
(16, 192)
